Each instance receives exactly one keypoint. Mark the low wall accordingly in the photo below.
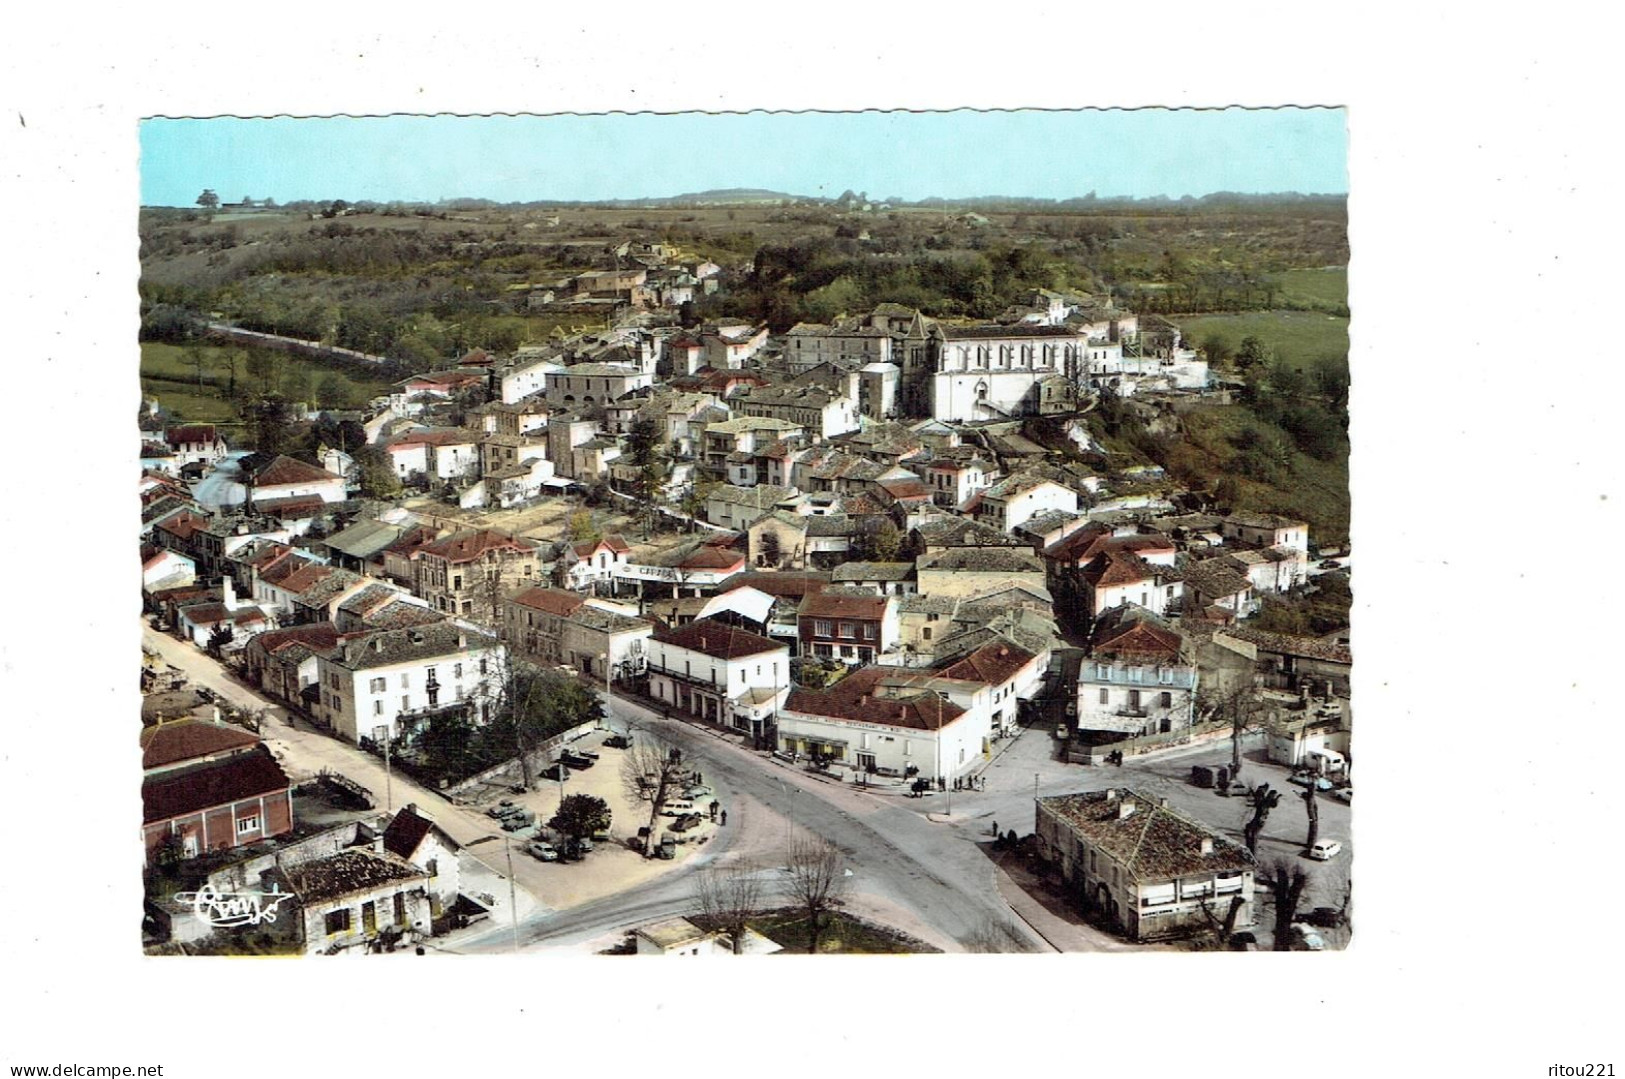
(509, 771)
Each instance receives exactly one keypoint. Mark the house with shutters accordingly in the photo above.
(415, 838)
(359, 897)
(886, 721)
(394, 683)
(194, 443)
(1146, 868)
(467, 572)
(719, 673)
(207, 787)
(1136, 680)
(852, 625)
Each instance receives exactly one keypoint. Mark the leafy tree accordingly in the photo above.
(378, 478)
(1215, 349)
(581, 527)
(1251, 354)
(334, 391)
(208, 200)
(581, 815)
(219, 639)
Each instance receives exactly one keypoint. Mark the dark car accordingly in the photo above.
(1201, 775)
(573, 760)
(1323, 917)
(556, 771)
(618, 741)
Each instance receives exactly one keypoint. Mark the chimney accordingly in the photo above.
(377, 644)
(462, 640)
(1111, 795)
(1207, 845)
(1126, 810)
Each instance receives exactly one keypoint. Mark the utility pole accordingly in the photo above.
(513, 903)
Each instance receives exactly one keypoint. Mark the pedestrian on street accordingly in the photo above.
(724, 818)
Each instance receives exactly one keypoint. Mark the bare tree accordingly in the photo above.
(1287, 883)
(652, 771)
(1312, 804)
(816, 883)
(1263, 799)
(730, 896)
(1224, 928)
(1245, 710)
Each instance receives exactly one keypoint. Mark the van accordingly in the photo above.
(680, 807)
(1325, 760)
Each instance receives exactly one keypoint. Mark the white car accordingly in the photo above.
(1325, 850)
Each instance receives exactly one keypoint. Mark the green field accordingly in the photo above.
(167, 373)
(1325, 289)
(1300, 338)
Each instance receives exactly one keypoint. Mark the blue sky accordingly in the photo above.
(617, 156)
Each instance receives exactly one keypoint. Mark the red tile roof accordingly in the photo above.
(468, 546)
(551, 600)
(994, 663)
(195, 432)
(708, 557)
(716, 639)
(283, 470)
(1114, 567)
(1138, 638)
(172, 743)
(315, 635)
(859, 697)
(842, 605)
(247, 774)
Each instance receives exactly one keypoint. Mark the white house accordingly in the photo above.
(716, 672)
(887, 721)
(394, 682)
(1010, 502)
(417, 840)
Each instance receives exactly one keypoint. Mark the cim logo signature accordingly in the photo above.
(225, 909)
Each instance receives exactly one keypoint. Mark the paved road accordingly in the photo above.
(906, 870)
(931, 879)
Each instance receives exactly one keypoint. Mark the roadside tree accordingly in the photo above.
(816, 883)
(652, 771)
(730, 896)
(1286, 883)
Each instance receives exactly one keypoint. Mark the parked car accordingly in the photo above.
(517, 821)
(618, 741)
(543, 851)
(575, 760)
(1324, 850)
(1344, 794)
(699, 791)
(1331, 563)
(1236, 789)
(501, 809)
(590, 754)
(1201, 775)
(1309, 779)
(1305, 939)
(583, 844)
(1323, 917)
